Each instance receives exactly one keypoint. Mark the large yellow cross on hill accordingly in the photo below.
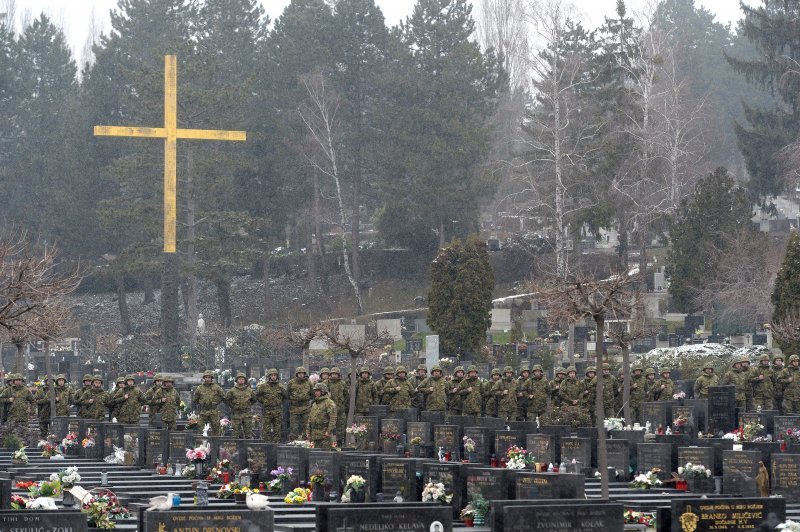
(170, 133)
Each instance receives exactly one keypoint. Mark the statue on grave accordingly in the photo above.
(762, 480)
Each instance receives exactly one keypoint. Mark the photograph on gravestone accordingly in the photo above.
(619, 458)
(590, 518)
(542, 447)
(425, 518)
(739, 470)
(45, 521)
(732, 515)
(244, 520)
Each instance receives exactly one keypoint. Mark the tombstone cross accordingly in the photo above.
(170, 133)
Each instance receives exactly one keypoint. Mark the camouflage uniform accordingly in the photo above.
(87, 386)
(207, 397)
(747, 373)
(19, 400)
(664, 387)
(5, 389)
(95, 400)
(112, 406)
(650, 384)
(321, 422)
(299, 391)
(169, 402)
(418, 400)
(271, 394)
(42, 399)
(555, 387)
(366, 394)
(522, 395)
(64, 396)
(153, 407)
(399, 390)
(505, 392)
(777, 386)
(609, 390)
(487, 393)
(538, 392)
(637, 394)
(388, 375)
(589, 394)
(454, 399)
(339, 394)
(761, 380)
(738, 378)
(241, 398)
(704, 382)
(790, 379)
(470, 391)
(434, 389)
(571, 389)
(128, 408)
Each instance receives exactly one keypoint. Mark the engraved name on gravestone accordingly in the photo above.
(782, 423)
(427, 518)
(590, 518)
(542, 447)
(156, 446)
(244, 520)
(529, 485)
(421, 429)
(178, 443)
(703, 456)
(721, 408)
(731, 515)
(399, 475)
(655, 413)
(448, 437)
(785, 476)
(739, 470)
(35, 521)
(492, 483)
(654, 456)
(578, 449)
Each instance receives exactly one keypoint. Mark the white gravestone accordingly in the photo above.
(431, 351)
(392, 328)
(354, 332)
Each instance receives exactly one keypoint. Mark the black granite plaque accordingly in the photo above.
(156, 446)
(179, 442)
(93, 430)
(577, 449)
(739, 470)
(590, 518)
(43, 521)
(781, 423)
(421, 429)
(483, 444)
(785, 477)
(721, 408)
(529, 485)
(504, 439)
(296, 458)
(393, 426)
(654, 456)
(491, 483)
(452, 476)
(433, 518)
(765, 449)
(327, 464)
(657, 413)
(619, 457)
(363, 465)
(447, 437)
(765, 418)
(5, 493)
(379, 411)
(135, 440)
(112, 437)
(703, 456)
(675, 441)
(542, 448)
(432, 417)
(261, 459)
(731, 515)
(496, 522)
(399, 475)
(373, 427)
(200, 519)
(701, 409)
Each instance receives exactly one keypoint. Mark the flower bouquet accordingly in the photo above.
(416, 440)
(45, 488)
(225, 424)
(226, 490)
(67, 477)
(679, 395)
(24, 484)
(614, 423)
(517, 458)
(751, 431)
(19, 502)
(188, 471)
(735, 435)
(435, 493)
(358, 431)
(691, 470)
(48, 448)
(88, 442)
(645, 481)
(193, 421)
(791, 435)
(197, 455)
(282, 479)
(302, 443)
(469, 444)
(390, 436)
(297, 496)
(70, 443)
(354, 489)
(633, 517)
(19, 456)
(789, 525)
(103, 509)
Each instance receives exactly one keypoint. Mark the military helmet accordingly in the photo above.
(321, 386)
(745, 359)
(436, 367)
(650, 371)
(457, 369)
(592, 369)
(272, 371)
(606, 365)
(777, 357)
(158, 377)
(537, 367)
(561, 371)
(60, 376)
(495, 371)
(524, 367)
(168, 378)
(208, 373)
(508, 369)
(388, 369)
(421, 366)
(335, 369)
(664, 370)
(708, 365)
(472, 368)
(129, 378)
(793, 358)
(635, 367)
(325, 370)
(400, 369)
(363, 369)
(87, 377)
(122, 380)
(299, 369)
(572, 369)
(242, 375)
(763, 358)
(97, 378)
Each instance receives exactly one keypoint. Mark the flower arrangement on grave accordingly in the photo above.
(633, 517)
(297, 496)
(225, 424)
(67, 477)
(353, 484)
(680, 395)
(735, 435)
(317, 478)
(691, 470)
(24, 484)
(198, 455)
(435, 492)
(358, 430)
(87, 442)
(70, 442)
(390, 436)
(280, 475)
(184, 408)
(479, 504)
(416, 440)
(645, 481)
(789, 525)
(193, 421)
(751, 431)
(467, 513)
(19, 502)
(469, 444)
(614, 423)
(680, 421)
(19, 456)
(103, 509)
(188, 472)
(45, 488)
(302, 443)
(223, 469)
(791, 435)
(517, 458)
(49, 449)
(226, 490)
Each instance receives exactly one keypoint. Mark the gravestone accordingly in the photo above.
(529, 485)
(504, 439)
(658, 413)
(135, 440)
(363, 465)
(686, 411)
(178, 443)
(591, 433)
(543, 448)
(328, 464)
(491, 483)
(93, 430)
(452, 476)
(765, 418)
(112, 437)
(719, 445)
(261, 459)
(675, 441)
(373, 426)
(699, 456)
(393, 426)
(421, 429)
(781, 423)
(721, 408)
(701, 409)
(227, 448)
(590, 518)
(432, 417)
(495, 519)
(431, 517)
(523, 427)
(634, 438)
(559, 431)
(492, 423)
(407, 414)
(618, 454)
(296, 458)
(156, 446)
(731, 515)
(5, 493)
(739, 470)
(447, 437)
(44, 521)
(399, 475)
(378, 411)
(577, 449)
(483, 443)
(461, 421)
(765, 449)
(205, 518)
(785, 476)
(654, 456)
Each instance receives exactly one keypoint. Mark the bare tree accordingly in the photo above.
(501, 27)
(787, 329)
(624, 334)
(581, 297)
(319, 115)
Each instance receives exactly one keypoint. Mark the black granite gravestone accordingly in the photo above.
(156, 446)
(658, 413)
(452, 476)
(654, 456)
(93, 431)
(766, 450)
(591, 433)
(112, 437)
(363, 465)
(785, 476)
(721, 408)
(577, 450)
(34, 521)
(433, 518)
(179, 442)
(765, 418)
(135, 440)
(701, 409)
(703, 456)
(719, 445)
(5, 493)
(529, 485)
(421, 429)
(491, 483)
(504, 439)
(379, 411)
(261, 459)
(781, 423)
(591, 518)
(399, 475)
(619, 457)
(373, 427)
(328, 465)
(739, 470)
(731, 515)
(206, 518)
(448, 437)
(523, 427)
(432, 417)
(675, 441)
(393, 426)
(495, 519)
(543, 449)
(483, 444)
(296, 458)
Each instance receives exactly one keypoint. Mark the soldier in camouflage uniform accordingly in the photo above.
(388, 375)
(19, 400)
(790, 379)
(418, 401)
(271, 394)
(777, 387)
(9, 384)
(470, 391)
(208, 396)
(747, 373)
(112, 406)
(95, 400)
(324, 375)
(300, 394)
(761, 380)
(168, 400)
(399, 390)
(487, 393)
(537, 392)
(588, 395)
(705, 381)
(339, 394)
(321, 423)
(153, 407)
(42, 399)
(65, 395)
(129, 402)
(555, 387)
(434, 389)
(650, 384)
(664, 387)
(366, 393)
(87, 385)
(609, 389)
(522, 395)
(454, 398)
(571, 389)
(240, 399)
(619, 387)
(736, 377)
(505, 392)
(637, 393)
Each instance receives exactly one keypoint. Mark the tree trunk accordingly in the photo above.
(311, 261)
(355, 220)
(602, 455)
(571, 344)
(170, 338)
(19, 358)
(48, 365)
(320, 239)
(224, 301)
(353, 389)
(643, 254)
(122, 303)
(622, 250)
(147, 286)
(626, 386)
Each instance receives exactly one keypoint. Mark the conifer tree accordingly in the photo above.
(786, 294)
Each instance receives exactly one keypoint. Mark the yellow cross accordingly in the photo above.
(170, 133)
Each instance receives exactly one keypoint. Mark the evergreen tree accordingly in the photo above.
(718, 210)
(460, 297)
(786, 294)
(772, 29)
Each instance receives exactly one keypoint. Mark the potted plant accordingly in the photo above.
(317, 482)
(282, 479)
(481, 507)
(358, 432)
(435, 492)
(19, 457)
(697, 477)
(469, 449)
(468, 515)
(354, 489)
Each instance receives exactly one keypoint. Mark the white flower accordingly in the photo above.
(792, 526)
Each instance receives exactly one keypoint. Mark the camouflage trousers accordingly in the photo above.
(791, 407)
(507, 415)
(297, 425)
(271, 426)
(44, 428)
(242, 425)
(210, 417)
(765, 403)
(151, 415)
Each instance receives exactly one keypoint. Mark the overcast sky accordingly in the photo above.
(75, 15)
